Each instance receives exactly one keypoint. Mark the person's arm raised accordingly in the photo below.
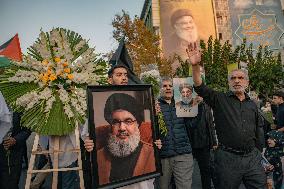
(194, 56)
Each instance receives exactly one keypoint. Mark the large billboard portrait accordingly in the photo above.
(121, 122)
(261, 22)
(184, 22)
(186, 100)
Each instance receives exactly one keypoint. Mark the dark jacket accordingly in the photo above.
(21, 134)
(176, 142)
(202, 131)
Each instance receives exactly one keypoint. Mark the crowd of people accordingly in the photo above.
(226, 138)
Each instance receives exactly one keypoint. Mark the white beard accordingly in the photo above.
(189, 36)
(186, 100)
(121, 148)
(242, 89)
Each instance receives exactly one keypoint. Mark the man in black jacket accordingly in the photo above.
(203, 139)
(11, 153)
(238, 126)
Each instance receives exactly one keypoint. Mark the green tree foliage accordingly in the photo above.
(142, 43)
(265, 72)
(215, 59)
(264, 67)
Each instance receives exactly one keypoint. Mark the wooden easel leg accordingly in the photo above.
(32, 162)
(55, 163)
(56, 150)
(82, 186)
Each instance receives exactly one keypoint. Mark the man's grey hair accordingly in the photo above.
(166, 78)
(238, 70)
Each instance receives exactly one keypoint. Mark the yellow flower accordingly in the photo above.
(52, 77)
(65, 64)
(59, 73)
(40, 76)
(49, 71)
(44, 62)
(67, 70)
(45, 78)
(70, 76)
(57, 59)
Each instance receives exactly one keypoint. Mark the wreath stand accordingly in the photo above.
(55, 153)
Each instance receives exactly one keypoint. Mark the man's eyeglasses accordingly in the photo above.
(117, 123)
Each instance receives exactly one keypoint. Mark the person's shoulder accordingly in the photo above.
(281, 107)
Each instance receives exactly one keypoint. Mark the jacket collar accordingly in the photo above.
(161, 99)
(230, 93)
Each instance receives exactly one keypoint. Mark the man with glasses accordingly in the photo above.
(124, 150)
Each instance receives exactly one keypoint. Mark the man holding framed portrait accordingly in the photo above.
(117, 134)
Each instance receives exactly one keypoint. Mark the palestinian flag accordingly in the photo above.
(11, 49)
(4, 62)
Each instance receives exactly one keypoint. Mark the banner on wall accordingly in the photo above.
(261, 22)
(183, 22)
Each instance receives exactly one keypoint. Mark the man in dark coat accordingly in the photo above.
(11, 152)
(203, 139)
(238, 127)
(278, 99)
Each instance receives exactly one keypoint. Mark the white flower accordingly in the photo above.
(49, 74)
(45, 94)
(80, 45)
(49, 104)
(63, 96)
(28, 100)
(152, 73)
(68, 111)
(22, 76)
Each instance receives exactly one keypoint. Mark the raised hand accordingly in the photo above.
(193, 53)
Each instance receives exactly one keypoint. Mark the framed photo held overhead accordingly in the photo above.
(121, 123)
(186, 100)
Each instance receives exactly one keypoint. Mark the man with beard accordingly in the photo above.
(238, 126)
(185, 32)
(187, 107)
(118, 75)
(124, 150)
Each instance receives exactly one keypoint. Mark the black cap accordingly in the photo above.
(279, 93)
(110, 71)
(180, 13)
(126, 102)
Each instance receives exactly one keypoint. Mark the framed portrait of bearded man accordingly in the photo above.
(121, 123)
(183, 22)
